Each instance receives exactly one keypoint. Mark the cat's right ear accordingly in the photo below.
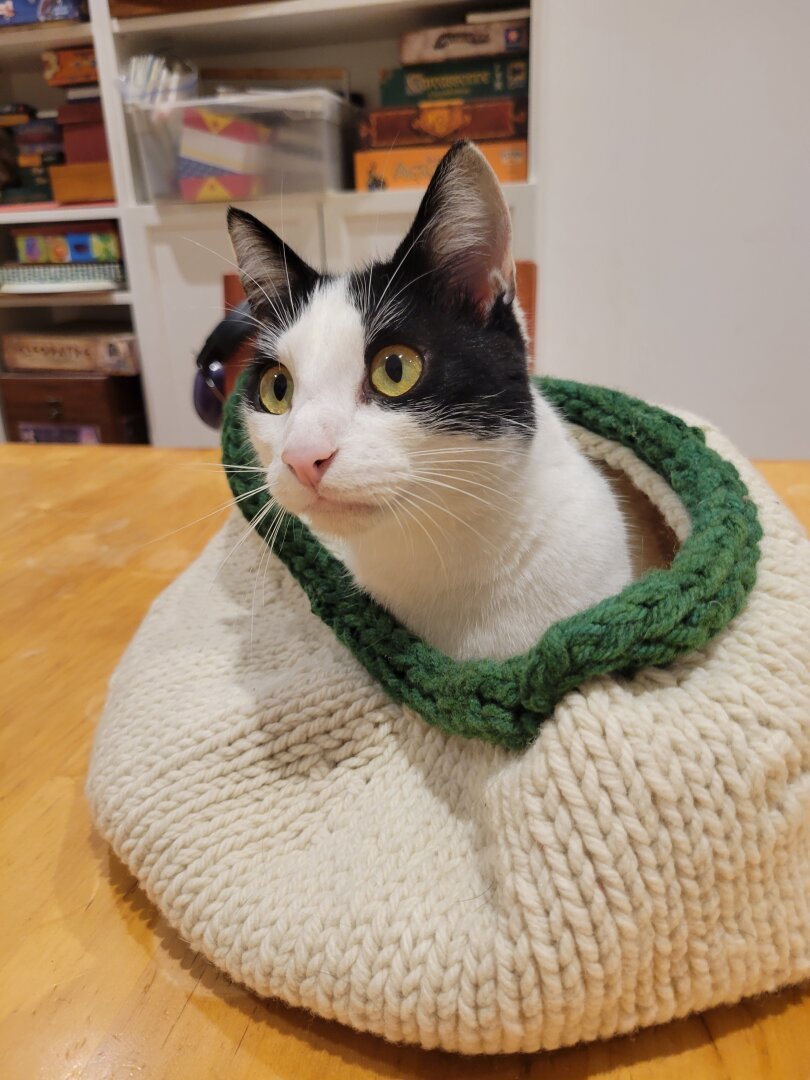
(273, 276)
(462, 233)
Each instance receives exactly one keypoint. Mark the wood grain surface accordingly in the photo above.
(95, 985)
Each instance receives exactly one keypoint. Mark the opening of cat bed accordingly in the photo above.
(657, 619)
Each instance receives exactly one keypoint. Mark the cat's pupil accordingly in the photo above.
(280, 386)
(393, 367)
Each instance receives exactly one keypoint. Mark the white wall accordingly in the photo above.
(674, 232)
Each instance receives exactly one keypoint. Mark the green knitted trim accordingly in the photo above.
(653, 621)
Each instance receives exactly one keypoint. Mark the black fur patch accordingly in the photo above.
(475, 378)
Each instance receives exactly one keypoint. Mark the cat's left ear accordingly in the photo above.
(273, 276)
(461, 237)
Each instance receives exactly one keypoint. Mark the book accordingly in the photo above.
(444, 122)
(467, 79)
(413, 166)
(462, 41)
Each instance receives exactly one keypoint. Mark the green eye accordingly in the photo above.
(276, 389)
(395, 370)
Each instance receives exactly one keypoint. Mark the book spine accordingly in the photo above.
(464, 42)
(465, 80)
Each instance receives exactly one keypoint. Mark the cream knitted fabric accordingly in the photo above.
(647, 856)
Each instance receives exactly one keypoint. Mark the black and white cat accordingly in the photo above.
(392, 410)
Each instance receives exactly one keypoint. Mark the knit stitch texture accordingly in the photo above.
(653, 621)
(647, 855)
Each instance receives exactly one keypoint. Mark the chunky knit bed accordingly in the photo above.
(600, 858)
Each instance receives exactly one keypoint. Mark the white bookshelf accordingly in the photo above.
(174, 283)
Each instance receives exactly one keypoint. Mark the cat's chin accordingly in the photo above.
(341, 517)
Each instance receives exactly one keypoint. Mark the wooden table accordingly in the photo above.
(95, 985)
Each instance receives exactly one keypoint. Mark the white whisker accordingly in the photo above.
(460, 520)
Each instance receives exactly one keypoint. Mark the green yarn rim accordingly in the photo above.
(652, 622)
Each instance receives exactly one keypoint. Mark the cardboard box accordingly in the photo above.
(13, 114)
(69, 67)
(88, 182)
(37, 158)
(82, 348)
(456, 79)
(463, 41)
(24, 12)
(412, 167)
(90, 243)
(444, 122)
(83, 132)
(38, 131)
(224, 143)
(35, 193)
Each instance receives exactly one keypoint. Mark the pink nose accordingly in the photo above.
(309, 464)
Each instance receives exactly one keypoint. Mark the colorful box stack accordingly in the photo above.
(36, 145)
(222, 156)
(468, 81)
(56, 257)
(60, 154)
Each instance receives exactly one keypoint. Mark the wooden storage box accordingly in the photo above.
(89, 182)
(73, 408)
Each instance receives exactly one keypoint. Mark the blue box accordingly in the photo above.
(33, 11)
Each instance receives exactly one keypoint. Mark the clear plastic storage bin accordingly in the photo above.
(244, 146)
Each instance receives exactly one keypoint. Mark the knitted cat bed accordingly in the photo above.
(577, 843)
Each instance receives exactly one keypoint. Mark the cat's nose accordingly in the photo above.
(309, 463)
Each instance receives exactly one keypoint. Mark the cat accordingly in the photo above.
(392, 410)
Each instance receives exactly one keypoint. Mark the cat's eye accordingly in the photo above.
(395, 370)
(276, 389)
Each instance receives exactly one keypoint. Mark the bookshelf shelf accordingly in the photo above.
(109, 299)
(18, 45)
(53, 213)
(286, 23)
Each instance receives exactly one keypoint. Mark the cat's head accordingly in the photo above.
(368, 381)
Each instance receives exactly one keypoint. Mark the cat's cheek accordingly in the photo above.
(264, 435)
